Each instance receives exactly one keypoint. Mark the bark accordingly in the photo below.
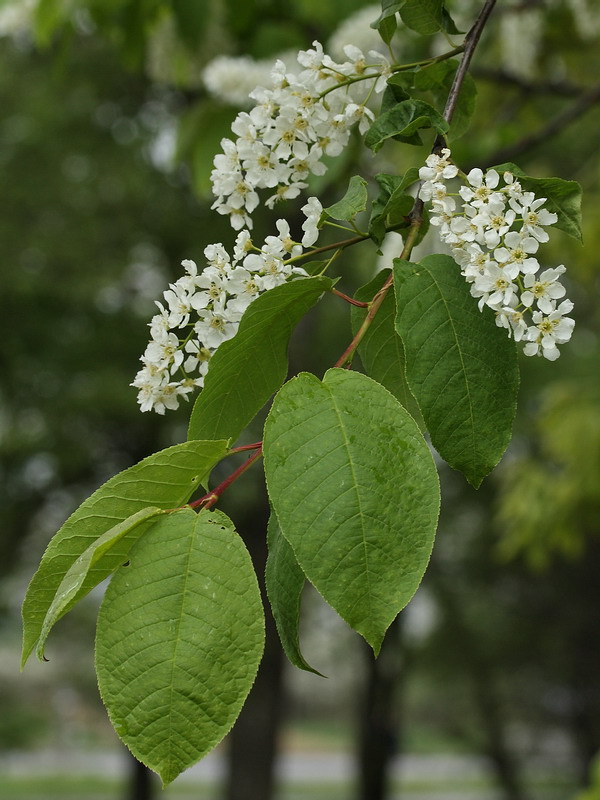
(379, 717)
(253, 740)
(142, 783)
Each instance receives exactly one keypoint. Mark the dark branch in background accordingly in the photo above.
(583, 104)
(502, 76)
(470, 43)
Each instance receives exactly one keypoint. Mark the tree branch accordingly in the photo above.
(502, 76)
(583, 104)
(470, 43)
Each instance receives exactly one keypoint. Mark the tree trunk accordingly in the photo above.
(142, 782)
(253, 740)
(481, 674)
(379, 716)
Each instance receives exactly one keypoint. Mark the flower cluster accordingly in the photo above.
(495, 236)
(202, 309)
(294, 122)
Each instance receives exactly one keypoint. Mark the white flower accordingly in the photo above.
(543, 290)
(516, 251)
(438, 168)
(312, 211)
(548, 331)
(494, 288)
(511, 318)
(535, 218)
(481, 189)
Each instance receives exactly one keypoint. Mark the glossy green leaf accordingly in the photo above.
(392, 203)
(71, 584)
(355, 491)
(180, 635)
(460, 366)
(562, 198)
(166, 479)
(402, 122)
(285, 582)
(381, 350)
(352, 203)
(246, 370)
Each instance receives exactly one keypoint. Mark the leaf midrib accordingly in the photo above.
(462, 362)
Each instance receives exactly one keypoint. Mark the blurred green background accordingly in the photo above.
(489, 683)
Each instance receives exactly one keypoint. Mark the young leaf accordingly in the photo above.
(392, 203)
(562, 197)
(246, 370)
(394, 93)
(387, 28)
(166, 479)
(381, 350)
(402, 122)
(352, 203)
(355, 491)
(180, 635)
(285, 582)
(460, 366)
(70, 586)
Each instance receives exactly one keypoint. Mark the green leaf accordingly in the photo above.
(402, 122)
(394, 93)
(180, 635)
(562, 197)
(352, 203)
(460, 366)
(69, 590)
(285, 582)
(388, 9)
(438, 79)
(392, 203)
(246, 370)
(387, 28)
(424, 16)
(381, 350)
(448, 24)
(356, 494)
(166, 479)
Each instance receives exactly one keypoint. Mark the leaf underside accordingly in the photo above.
(285, 582)
(166, 479)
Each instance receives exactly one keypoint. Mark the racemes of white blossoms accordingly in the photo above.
(494, 234)
(296, 120)
(202, 309)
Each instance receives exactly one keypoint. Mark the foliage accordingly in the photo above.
(351, 479)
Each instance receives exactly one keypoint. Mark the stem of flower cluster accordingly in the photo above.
(346, 358)
(394, 68)
(350, 300)
(416, 216)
